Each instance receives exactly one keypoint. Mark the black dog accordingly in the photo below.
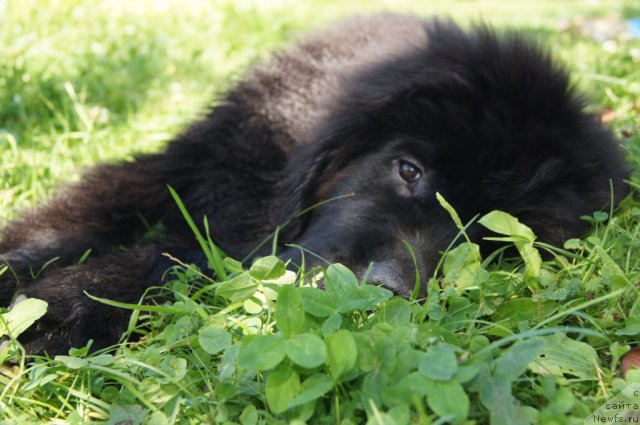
(386, 111)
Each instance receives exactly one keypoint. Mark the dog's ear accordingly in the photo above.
(308, 167)
(335, 145)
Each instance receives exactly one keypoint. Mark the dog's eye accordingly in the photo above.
(409, 172)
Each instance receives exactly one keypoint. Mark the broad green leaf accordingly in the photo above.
(531, 257)
(267, 268)
(176, 367)
(506, 224)
(341, 284)
(239, 288)
(374, 384)
(288, 278)
(261, 352)
(380, 418)
(386, 353)
(226, 391)
(303, 413)
(214, 339)
(227, 365)
(233, 266)
(369, 298)
(632, 323)
(331, 324)
(307, 350)
(495, 395)
(562, 402)
(342, 293)
(406, 359)
(618, 350)
(21, 316)
(514, 361)
(252, 305)
(282, 386)
(631, 328)
(340, 276)
(396, 311)
(448, 399)
(132, 414)
(635, 309)
(562, 355)
(72, 362)
(342, 353)
(572, 243)
(81, 351)
(522, 309)
(367, 356)
(313, 387)
(466, 373)
(317, 302)
(600, 216)
(463, 266)
(249, 415)
(289, 312)
(401, 413)
(414, 384)
(348, 294)
(40, 381)
(522, 236)
(439, 363)
(101, 359)
(478, 342)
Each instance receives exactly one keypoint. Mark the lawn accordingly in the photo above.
(495, 341)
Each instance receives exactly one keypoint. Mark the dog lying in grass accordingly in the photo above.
(374, 116)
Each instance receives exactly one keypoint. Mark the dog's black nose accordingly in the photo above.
(389, 275)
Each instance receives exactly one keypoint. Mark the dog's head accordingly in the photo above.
(490, 122)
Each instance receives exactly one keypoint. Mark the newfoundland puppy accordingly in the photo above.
(373, 116)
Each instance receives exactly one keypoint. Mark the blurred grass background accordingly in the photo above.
(83, 81)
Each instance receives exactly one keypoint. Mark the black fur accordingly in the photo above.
(491, 121)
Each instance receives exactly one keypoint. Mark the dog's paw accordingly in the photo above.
(20, 319)
(72, 318)
(55, 332)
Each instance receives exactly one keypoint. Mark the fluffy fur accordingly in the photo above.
(489, 121)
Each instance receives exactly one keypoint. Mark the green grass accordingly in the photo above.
(496, 341)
